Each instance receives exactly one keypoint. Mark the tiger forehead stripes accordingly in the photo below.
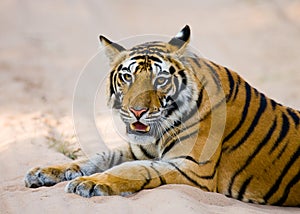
(188, 121)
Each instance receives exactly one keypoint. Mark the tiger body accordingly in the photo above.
(173, 104)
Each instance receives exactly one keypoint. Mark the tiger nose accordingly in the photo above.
(138, 111)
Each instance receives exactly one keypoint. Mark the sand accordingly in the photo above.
(45, 45)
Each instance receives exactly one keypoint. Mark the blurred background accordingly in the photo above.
(44, 45)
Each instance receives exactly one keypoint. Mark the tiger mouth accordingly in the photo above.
(139, 127)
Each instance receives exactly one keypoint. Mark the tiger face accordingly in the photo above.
(150, 87)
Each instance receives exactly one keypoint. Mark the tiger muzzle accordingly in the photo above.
(138, 112)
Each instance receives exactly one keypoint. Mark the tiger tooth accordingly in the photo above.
(147, 129)
(132, 127)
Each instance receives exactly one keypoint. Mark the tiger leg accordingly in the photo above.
(131, 177)
(49, 176)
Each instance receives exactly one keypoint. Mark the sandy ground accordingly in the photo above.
(44, 46)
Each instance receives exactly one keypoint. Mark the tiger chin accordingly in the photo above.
(170, 100)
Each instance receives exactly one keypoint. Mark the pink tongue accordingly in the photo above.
(139, 126)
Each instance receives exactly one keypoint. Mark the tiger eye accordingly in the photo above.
(127, 77)
(161, 80)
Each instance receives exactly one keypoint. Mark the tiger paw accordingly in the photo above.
(50, 176)
(87, 187)
(94, 186)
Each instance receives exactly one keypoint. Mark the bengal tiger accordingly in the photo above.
(167, 95)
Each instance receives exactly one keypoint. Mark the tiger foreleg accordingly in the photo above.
(49, 176)
(131, 177)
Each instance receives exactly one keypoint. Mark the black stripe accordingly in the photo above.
(138, 57)
(214, 64)
(146, 153)
(282, 151)
(176, 141)
(189, 115)
(176, 85)
(294, 116)
(283, 132)
(154, 50)
(211, 176)
(256, 92)
(172, 107)
(244, 187)
(214, 75)
(172, 70)
(129, 67)
(200, 97)
(190, 158)
(168, 148)
(186, 117)
(279, 180)
(176, 124)
(149, 44)
(195, 108)
(244, 113)
(155, 59)
(203, 82)
(251, 157)
(114, 80)
(147, 51)
(213, 108)
(117, 102)
(112, 159)
(147, 179)
(131, 152)
(231, 83)
(184, 79)
(183, 85)
(111, 79)
(237, 87)
(196, 60)
(120, 67)
(259, 113)
(285, 195)
(161, 178)
(188, 177)
(274, 104)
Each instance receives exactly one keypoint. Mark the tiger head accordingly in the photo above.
(151, 85)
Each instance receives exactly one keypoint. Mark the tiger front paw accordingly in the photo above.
(50, 176)
(96, 185)
(86, 187)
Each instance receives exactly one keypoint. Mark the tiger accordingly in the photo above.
(169, 99)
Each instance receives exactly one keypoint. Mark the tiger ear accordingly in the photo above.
(112, 49)
(181, 40)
